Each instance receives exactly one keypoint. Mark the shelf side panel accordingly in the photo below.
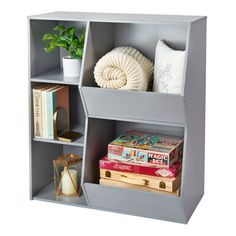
(145, 37)
(43, 155)
(77, 114)
(100, 41)
(171, 130)
(99, 134)
(41, 62)
(194, 95)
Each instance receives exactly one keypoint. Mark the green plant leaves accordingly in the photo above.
(59, 28)
(79, 53)
(75, 42)
(71, 31)
(65, 38)
(51, 46)
(62, 43)
(47, 37)
(81, 38)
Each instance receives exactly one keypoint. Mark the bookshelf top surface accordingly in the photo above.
(116, 17)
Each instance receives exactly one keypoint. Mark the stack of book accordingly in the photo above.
(143, 161)
(47, 98)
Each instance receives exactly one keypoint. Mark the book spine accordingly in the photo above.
(44, 114)
(50, 115)
(37, 109)
(140, 169)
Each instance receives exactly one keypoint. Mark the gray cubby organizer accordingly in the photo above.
(103, 114)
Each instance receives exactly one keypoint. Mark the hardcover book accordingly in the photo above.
(57, 97)
(37, 109)
(137, 168)
(138, 147)
(45, 110)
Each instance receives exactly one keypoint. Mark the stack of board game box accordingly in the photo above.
(143, 161)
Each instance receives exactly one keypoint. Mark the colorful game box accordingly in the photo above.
(138, 147)
(168, 172)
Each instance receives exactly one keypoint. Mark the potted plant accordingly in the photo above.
(66, 38)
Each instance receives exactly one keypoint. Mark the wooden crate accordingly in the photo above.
(147, 181)
(113, 183)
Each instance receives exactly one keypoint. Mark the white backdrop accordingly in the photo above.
(215, 213)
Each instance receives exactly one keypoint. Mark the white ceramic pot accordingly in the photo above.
(71, 67)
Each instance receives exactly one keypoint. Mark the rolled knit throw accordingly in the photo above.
(123, 68)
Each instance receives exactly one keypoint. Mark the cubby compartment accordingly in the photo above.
(42, 186)
(47, 67)
(152, 106)
(103, 37)
(99, 134)
(77, 116)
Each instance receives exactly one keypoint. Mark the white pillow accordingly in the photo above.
(169, 68)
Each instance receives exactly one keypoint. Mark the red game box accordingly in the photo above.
(106, 163)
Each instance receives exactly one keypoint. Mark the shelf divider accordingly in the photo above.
(56, 77)
(79, 142)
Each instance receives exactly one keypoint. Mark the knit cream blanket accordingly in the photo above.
(123, 68)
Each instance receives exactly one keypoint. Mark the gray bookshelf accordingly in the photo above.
(103, 114)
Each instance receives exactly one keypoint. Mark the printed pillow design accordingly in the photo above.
(169, 68)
